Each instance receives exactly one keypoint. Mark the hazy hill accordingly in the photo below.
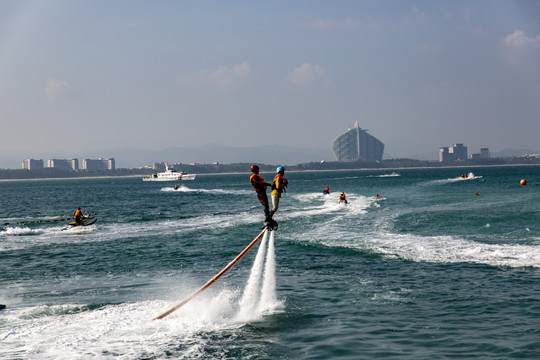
(512, 152)
(276, 154)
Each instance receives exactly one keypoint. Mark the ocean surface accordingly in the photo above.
(426, 270)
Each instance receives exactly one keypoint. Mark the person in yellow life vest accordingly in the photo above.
(343, 198)
(77, 216)
(278, 186)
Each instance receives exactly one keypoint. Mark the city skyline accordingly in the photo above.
(87, 77)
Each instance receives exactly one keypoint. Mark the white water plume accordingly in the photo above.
(250, 297)
(259, 298)
(268, 291)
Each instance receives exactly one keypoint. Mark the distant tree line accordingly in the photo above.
(48, 173)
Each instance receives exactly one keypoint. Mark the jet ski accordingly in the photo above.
(84, 221)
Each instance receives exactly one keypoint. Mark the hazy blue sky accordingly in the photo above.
(81, 75)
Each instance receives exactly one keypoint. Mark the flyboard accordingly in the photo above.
(215, 278)
(84, 222)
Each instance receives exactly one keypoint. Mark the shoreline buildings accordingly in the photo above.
(70, 164)
(356, 144)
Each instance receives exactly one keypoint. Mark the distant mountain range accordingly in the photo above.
(209, 153)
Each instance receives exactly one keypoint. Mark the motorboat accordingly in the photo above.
(170, 174)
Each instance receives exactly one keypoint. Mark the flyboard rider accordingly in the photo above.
(278, 186)
(260, 188)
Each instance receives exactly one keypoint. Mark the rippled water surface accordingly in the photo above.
(416, 266)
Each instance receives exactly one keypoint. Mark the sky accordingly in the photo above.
(80, 76)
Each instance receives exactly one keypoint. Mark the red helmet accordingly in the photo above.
(254, 168)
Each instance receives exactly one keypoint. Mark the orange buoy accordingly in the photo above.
(523, 182)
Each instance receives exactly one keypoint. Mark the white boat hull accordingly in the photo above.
(169, 174)
(171, 178)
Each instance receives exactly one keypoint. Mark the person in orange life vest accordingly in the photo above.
(260, 187)
(278, 186)
(342, 198)
(77, 216)
(326, 191)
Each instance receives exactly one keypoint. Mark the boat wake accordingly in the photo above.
(394, 174)
(185, 189)
(469, 177)
(434, 249)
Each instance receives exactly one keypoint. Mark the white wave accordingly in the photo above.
(441, 249)
(453, 250)
(185, 189)
(21, 231)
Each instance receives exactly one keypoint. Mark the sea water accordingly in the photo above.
(420, 264)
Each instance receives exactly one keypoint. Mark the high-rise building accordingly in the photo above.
(453, 153)
(484, 153)
(444, 154)
(67, 164)
(32, 164)
(356, 144)
(99, 164)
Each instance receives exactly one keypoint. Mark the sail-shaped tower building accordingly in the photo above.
(356, 144)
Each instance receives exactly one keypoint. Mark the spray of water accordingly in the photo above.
(260, 298)
(268, 290)
(250, 297)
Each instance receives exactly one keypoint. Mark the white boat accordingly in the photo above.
(170, 174)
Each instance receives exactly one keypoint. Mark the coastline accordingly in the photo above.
(289, 171)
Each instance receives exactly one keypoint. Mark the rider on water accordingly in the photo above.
(278, 186)
(342, 198)
(326, 191)
(260, 187)
(77, 216)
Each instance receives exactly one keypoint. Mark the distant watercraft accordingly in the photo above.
(170, 174)
(467, 176)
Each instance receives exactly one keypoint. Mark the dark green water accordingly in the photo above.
(427, 270)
